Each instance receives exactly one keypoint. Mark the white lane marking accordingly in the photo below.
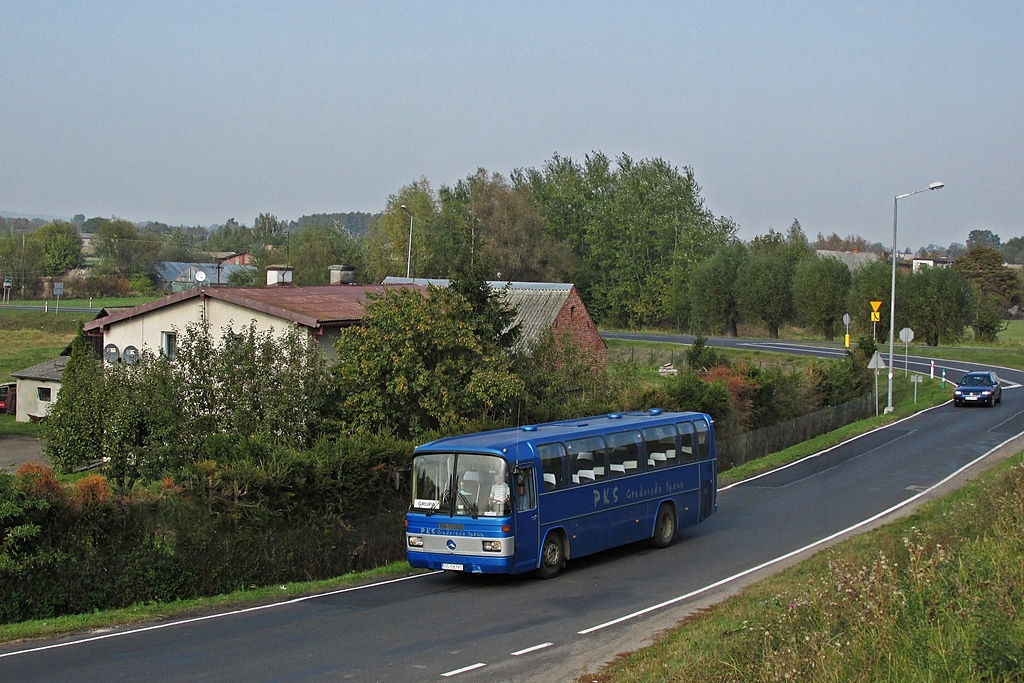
(532, 649)
(207, 617)
(793, 553)
(1012, 417)
(463, 669)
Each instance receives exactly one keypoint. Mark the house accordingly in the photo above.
(542, 306)
(179, 275)
(38, 387)
(320, 311)
(853, 259)
(935, 262)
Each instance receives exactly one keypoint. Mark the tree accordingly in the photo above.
(73, 432)
(765, 290)
(124, 250)
(317, 247)
(62, 247)
(938, 304)
(417, 364)
(995, 288)
(982, 238)
(387, 241)
(714, 293)
(873, 282)
(983, 265)
(1013, 250)
(820, 289)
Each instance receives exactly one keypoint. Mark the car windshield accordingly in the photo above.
(461, 484)
(975, 381)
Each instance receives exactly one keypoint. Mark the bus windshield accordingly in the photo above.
(461, 484)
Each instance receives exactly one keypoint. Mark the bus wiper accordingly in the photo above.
(469, 506)
(444, 498)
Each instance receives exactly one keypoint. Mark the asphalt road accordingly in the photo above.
(442, 626)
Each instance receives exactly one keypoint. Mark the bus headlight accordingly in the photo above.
(492, 546)
(415, 541)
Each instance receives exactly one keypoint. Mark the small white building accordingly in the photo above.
(38, 387)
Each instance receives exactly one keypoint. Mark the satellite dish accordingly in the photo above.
(130, 355)
(200, 276)
(111, 353)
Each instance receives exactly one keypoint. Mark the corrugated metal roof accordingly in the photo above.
(537, 304)
(536, 309)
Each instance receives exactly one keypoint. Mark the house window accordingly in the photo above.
(168, 343)
(43, 394)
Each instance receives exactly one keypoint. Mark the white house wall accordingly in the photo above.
(146, 330)
(29, 404)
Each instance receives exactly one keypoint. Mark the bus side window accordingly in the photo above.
(552, 465)
(587, 460)
(623, 452)
(703, 442)
(689, 453)
(661, 446)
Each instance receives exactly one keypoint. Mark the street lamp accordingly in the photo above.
(408, 262)
(892, 291)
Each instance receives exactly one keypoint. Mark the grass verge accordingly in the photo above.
(938, 595)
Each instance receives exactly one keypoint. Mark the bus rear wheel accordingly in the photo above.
(552, 557)
(664, 527)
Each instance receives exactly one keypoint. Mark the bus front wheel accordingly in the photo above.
(552, 557)
(664, 527)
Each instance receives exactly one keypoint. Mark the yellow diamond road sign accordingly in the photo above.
(875, 305)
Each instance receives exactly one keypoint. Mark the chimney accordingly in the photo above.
(342, 275)
(278, 275)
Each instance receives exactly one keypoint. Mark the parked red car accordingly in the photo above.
(7, 397)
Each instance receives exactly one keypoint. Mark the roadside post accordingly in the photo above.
(906, 336)
(943, 378)
(916, 379)
(931, 375)
(876, 364)
(58, 289)
(846, 321)
(8, 283)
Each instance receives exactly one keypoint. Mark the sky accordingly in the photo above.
(196, 112)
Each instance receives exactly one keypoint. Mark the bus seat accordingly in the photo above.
(585, 455)
(629, 465)
(670, 454)
(575, 478)
(618, 468)
(599, 471)
(586, 475)
(549, 481)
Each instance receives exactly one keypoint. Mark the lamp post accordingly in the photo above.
(892, 291)
(408, 262)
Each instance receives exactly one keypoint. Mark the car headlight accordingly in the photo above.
(415, 541)
(986, 392)
(958, 393)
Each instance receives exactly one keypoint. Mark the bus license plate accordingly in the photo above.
(448, 566)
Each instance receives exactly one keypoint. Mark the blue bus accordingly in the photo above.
(529, 498)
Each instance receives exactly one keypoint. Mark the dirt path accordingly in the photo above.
(15, 450)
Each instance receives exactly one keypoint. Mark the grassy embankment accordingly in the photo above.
(937, 596)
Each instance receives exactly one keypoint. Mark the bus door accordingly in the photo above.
(527, 530)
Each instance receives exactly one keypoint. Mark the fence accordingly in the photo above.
(748, 446)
